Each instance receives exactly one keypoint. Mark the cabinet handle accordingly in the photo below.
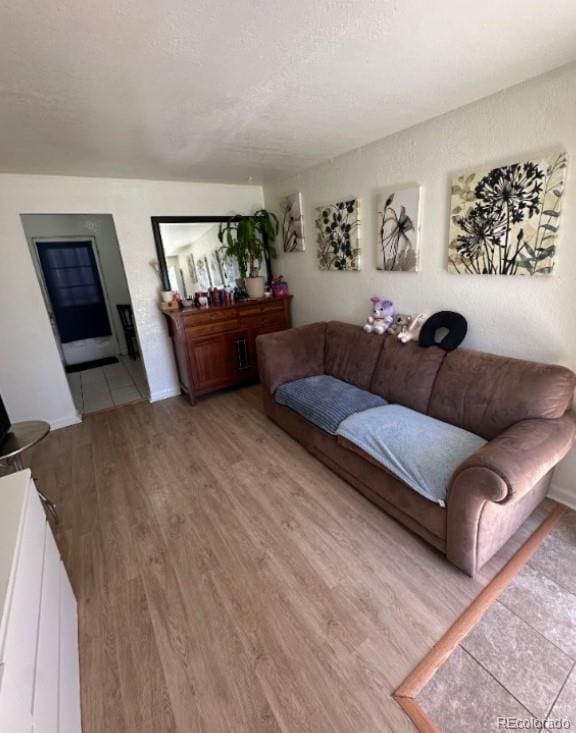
(242, 357)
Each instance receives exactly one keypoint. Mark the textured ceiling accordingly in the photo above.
(249, 89)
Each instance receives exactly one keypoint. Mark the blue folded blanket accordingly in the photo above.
(420, 450)
(325, 400)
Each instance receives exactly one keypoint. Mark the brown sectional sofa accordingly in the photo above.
(521, 408)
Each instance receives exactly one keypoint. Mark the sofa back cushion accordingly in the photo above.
(405, 373)
(486, 393)
(284, 356)
(351, 353)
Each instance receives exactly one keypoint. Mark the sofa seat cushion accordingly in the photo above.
(419, 450)
(325, 401)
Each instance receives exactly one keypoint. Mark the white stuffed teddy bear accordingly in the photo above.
(412, 332)
(382, 316)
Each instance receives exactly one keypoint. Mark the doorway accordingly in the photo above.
(72, 278)
(81, 274)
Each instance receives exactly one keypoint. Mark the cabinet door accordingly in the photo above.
(211, 359)
(46, 684)
(19, 654)
(15, 714)
(243, 356)
(69, 676)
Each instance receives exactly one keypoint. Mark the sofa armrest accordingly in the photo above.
(508, 466)
(296, 353)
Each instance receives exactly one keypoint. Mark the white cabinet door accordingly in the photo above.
(19, 654)
(69, 693)
(14, 716)
(46, 687)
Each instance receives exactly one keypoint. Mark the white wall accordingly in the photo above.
(32, 379)
(100, 227)
(519, 316)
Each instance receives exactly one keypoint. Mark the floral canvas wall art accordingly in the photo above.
(505, 220)
(293, 224)
(204, 277)
(338, 236)
(228, 267)
(398, 228)
(192, 268)
(215, 271)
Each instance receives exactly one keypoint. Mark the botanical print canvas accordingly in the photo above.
(504, 221)
(203, 273)
(398, 225)
(293, 224)
(338, 236)
(215, 272)
(192, 268)
(228, 267)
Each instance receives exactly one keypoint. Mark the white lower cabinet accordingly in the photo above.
(15, 716)
(39, 668)
(69, 695)
(45, 706)
(20, 640)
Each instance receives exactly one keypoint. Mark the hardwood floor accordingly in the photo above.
(228, 581)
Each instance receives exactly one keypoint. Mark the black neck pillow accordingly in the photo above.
(454, 322)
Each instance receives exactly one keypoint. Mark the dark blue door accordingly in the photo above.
(75, 290)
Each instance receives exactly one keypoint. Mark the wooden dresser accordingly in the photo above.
(215, 346)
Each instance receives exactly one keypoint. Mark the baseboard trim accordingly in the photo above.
(562, 496)
(165, 394)
(65, 422)
(416, 714)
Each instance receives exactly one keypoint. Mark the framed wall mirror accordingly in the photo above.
(191, 258)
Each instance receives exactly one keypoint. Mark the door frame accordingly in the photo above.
(33, 245)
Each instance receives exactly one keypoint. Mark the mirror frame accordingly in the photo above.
(158, 220)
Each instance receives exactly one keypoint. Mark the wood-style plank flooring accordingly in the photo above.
(228, 581)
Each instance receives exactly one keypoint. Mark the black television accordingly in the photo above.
(5, 423)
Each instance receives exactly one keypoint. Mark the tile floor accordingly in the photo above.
(108, 386)
(520, 660)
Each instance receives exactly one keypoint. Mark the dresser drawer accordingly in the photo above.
(273, 305)
(212, 328)
(253, 321)
(271, 328)
(275, 320)
(249, 311)
(198, 317)
(272, 321)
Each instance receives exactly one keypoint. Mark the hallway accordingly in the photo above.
(108, 386)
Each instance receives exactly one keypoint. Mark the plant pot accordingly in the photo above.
(255, 286)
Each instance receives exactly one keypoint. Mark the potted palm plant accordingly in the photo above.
(250, 239)
(267, 226)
